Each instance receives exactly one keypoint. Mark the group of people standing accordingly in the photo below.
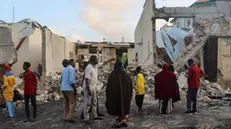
(119, 90)
(30, 86)
(167, 89)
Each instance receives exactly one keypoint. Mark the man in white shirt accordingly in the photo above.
(89, 87)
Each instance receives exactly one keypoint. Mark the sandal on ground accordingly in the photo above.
(9, 119)
(119, 124)
(70, 121)
(98, 118)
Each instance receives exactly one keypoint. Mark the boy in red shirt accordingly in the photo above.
(194, 75)
(30, 83)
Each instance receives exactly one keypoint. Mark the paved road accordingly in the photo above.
(50, 117)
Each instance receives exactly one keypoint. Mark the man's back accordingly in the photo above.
(194, 74)
(68, 77)
(165, 83)
(29, 83)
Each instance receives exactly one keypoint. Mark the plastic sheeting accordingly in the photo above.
(173, 50)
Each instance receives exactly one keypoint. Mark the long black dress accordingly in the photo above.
(118, 93)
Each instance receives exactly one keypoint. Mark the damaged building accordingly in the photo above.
(200, 31)
(39, 45)
(106, 51)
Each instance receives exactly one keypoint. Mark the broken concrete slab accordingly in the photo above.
(8, 53)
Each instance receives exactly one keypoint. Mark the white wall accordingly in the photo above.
(83, 51)
(23, 55)
(54, 52)
(70, 47)
(30, 49)
(143, 34)
(131, 56)
(57, 49)
(35, 49)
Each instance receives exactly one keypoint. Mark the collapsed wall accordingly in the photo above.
(208, 21)
(7, 51)
(204, 27)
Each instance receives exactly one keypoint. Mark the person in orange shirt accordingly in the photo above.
(8, 90)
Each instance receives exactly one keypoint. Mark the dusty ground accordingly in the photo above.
(50, 117)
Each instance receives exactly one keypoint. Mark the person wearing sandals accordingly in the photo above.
(119, 95)
(8, 90)
(165, 89)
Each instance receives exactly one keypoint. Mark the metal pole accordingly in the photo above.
(13, 14)
(154, 31)
(229, 7)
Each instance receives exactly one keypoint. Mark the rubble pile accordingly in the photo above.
(206, 91)
(49, 89)
(51, 92)
(149, 72)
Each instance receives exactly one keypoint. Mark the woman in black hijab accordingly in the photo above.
(119, 94)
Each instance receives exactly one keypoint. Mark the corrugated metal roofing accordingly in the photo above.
(208, 3)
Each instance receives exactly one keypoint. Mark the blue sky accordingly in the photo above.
(83, 19)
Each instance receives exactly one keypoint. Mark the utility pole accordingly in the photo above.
(154, 32)
(13, 14)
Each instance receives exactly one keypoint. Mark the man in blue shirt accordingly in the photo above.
(68, 80)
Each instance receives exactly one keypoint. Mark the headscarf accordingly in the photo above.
(118, 64)
(6, 66)
(165, 67)
(171, 68)
(165, 84)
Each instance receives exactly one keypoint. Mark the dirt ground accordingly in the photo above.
(211, 116)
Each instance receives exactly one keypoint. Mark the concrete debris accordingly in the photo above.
(19, 104)
(211, 89)
(205, 99)
(182, 81)
(49, 90)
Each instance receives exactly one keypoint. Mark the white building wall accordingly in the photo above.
(70, 50)
(131, 55)
(57, 49)
(23, 55)
(143, 34)
(83, 51)
(35, 49)
(30, 49)
(54, 52)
